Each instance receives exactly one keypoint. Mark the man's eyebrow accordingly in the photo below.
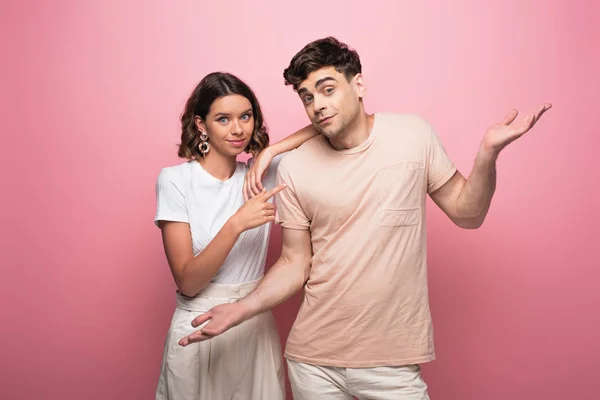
(323, 80)
(319, 83)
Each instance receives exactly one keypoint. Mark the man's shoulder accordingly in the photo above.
(302, 155)
(403, 120)
(403, 129)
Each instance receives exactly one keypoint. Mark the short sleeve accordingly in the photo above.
(440, 167)
(170, 200)
(289, 212)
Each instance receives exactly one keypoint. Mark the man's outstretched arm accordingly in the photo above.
(285, 278)
(467, 201)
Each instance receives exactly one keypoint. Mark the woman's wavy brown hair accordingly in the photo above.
(210, 88)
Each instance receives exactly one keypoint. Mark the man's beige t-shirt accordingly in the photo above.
(366, 300)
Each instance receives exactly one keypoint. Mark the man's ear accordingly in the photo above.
(359, 85)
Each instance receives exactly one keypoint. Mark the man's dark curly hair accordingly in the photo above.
(327, 52)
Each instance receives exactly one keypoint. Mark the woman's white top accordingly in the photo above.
(187, 193)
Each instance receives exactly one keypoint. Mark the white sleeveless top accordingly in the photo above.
(187, 193)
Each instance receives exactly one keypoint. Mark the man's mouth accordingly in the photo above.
(325, 119)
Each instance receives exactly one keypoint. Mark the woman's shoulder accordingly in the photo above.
(175, 173)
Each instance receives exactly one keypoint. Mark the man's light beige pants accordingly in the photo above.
(311, 382)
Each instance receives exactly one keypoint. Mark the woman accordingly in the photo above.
(216, 244)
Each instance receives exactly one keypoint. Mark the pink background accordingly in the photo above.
(91, 95)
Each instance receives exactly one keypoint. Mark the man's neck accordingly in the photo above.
(356, 133)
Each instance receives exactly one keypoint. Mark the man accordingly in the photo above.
(354, 234)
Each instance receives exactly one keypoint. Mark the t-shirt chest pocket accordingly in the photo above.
(399, 190)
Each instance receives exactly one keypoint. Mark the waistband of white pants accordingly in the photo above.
(218, 292)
